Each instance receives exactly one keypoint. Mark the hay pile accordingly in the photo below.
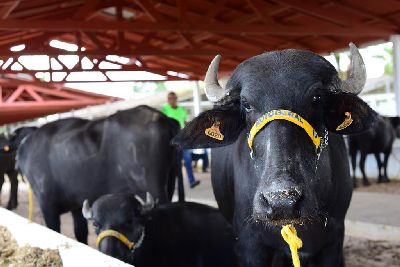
(13, 256)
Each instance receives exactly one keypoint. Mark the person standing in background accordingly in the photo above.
(180, 114)
(202, 154)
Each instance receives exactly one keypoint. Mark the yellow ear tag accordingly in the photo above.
(214, 131)
(6, 148)
(346, 123)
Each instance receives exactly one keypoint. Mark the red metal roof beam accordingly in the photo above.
(297, 30)
(6, 10)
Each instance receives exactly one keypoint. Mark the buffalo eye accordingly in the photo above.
(247, 107)
(316, 99)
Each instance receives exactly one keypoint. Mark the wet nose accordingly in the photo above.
(281, 204)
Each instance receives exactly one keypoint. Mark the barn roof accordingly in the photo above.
(23, 100)
(174, 39)
(177, 38)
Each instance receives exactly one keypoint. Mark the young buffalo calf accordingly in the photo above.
(174, 234)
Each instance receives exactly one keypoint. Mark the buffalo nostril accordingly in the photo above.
(264, 198)
(281, 204)
(265, 204)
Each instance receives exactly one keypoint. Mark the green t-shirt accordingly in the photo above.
(179, 113)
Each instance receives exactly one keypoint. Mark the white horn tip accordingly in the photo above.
(353, 47)
(216, 60)
(86, 210)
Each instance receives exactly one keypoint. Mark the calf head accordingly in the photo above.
(264, 99)
(119, 223)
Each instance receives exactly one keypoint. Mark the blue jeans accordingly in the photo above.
(203, 157)
(187, 159)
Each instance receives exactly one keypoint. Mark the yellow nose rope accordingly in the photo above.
(117, 235)
(289, 234)
(282, 114)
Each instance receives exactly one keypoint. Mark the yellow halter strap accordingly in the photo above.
(282, 114)
(117, 235)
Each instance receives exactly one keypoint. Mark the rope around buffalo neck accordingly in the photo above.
(289, 234)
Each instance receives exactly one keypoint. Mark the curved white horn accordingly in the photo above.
(141, 201)
(86, 210)
(357, 77)
(213, 90)
(149, 200)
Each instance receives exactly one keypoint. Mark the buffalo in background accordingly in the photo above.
(376, 140)
(8, 151)
(395, 121)
(70, 160)
(180, 234)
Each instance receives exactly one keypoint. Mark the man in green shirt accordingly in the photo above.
(180, 114)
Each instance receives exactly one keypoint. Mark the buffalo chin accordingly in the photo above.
(303, 220)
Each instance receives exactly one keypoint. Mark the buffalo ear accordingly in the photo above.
(336, 107)
(222, 125)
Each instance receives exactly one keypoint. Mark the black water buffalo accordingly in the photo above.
(378, 139)
(8, 151)
(180, 234)
(292, 175)
(7, 166)
(70, 160)
(395, 121)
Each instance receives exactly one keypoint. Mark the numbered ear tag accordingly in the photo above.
(346, 123)
(214, 131)
(6, 148)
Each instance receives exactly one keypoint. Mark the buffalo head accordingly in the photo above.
(292, 174)
(123, 214)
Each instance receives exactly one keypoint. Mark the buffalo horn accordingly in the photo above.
(357, 74)
(213, 90)
(86, 210)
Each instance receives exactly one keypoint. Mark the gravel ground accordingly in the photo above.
(361, 252)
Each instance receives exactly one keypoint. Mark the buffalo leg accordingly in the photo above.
(51, 217)
(379, 162)
(179, 176)
(385, 164)
(353, 155)
(13, 201)
(171, 184)
(362, 168)
(80, 226)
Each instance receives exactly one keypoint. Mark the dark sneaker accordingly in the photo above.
(194, 184)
